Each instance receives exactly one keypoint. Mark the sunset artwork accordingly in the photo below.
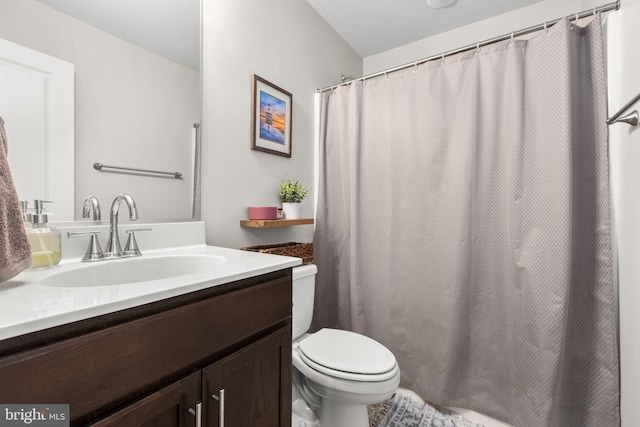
(272, 118)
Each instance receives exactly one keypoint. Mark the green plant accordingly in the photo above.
(292, 191)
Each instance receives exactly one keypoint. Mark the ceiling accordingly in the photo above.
(171, 28)
(374, 26)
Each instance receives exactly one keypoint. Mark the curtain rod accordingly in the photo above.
(605, 8)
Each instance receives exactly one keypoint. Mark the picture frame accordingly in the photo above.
(271, 118)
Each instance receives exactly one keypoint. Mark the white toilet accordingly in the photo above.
(336, 373)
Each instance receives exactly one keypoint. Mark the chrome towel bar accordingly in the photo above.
(631, 118)
(100, 166)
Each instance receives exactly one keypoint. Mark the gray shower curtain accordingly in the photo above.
(463, 221)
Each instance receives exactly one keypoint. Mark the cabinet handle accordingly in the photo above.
(220, 400)
(198, 414)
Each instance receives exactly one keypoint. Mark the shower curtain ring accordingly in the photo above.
(415, 67)
(442, 60)
(595, 11)
(511, 41)
(386, 76)
(545, 27)
(477, 48)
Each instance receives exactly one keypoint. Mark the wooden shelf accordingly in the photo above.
(271, 223)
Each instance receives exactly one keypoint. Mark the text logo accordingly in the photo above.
(34, 415)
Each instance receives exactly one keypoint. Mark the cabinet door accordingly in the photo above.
(168, 407)
(252, 387)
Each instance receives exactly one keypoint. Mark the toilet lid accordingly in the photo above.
(347, 352)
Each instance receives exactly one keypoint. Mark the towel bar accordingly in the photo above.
(100, 166)
(630, 119)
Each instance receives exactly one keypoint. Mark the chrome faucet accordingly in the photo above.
(91, 202)
(113, 248)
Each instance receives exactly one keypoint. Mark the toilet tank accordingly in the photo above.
(304, 287)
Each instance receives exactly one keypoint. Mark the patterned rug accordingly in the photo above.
(404, 411)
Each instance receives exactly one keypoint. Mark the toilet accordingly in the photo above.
(336, 373)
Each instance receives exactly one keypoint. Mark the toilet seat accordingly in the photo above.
(343, 389)
(348, 355)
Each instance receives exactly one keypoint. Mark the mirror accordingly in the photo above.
(136, 75)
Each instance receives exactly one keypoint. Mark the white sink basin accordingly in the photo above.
(128, 271)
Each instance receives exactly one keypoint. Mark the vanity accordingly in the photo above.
(208, 344)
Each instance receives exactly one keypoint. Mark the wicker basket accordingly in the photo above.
(299, 250)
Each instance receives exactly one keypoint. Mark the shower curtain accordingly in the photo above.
(463, 221)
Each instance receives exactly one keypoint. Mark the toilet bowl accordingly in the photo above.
(337, 373)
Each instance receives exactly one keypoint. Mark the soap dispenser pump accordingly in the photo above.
(26, 217)
(45, 241)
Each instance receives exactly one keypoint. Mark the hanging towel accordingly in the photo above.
(15, 250)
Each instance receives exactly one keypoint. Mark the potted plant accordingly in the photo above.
(292, 192)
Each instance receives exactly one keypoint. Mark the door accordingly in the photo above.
(252, 387)
(173, 406)
(37, 105)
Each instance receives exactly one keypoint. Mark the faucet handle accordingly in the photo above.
(94, 251)
(131, 247)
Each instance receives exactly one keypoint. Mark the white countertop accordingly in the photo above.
(27, 305)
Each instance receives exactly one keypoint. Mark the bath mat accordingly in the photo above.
(404, 411)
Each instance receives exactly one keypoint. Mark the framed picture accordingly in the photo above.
(270, 118)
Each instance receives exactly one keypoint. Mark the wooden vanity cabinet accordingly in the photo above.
(247, 388)
(162, 363)
(168, 407)
(245, 383)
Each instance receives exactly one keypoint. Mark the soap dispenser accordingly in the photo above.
(45, 241)
(26, 217)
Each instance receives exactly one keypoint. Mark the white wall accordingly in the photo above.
(287, 43)
(624, 72)
(133, 108)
